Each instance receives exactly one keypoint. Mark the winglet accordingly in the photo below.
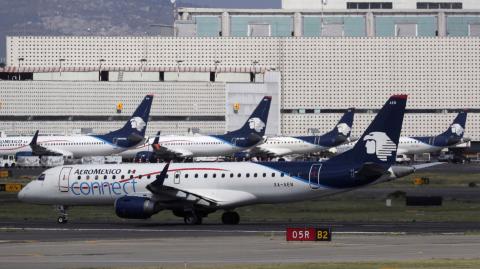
(34, 139)
(156, 185)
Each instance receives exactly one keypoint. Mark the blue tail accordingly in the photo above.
(341, 132)
(378, 144)
(133, 132)
(253, 130)
(455, 132)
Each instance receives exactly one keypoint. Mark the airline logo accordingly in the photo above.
(137, 123)
(256, 124)
(380, 144)
(344, 129)
(457, 129)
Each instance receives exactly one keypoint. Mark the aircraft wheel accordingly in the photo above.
(192, 219)
(231, 218)
(62, 220)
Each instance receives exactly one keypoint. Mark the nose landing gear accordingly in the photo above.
(231, 218)
(63, 218)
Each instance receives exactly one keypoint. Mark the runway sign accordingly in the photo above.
(309, 234)
(11, 187)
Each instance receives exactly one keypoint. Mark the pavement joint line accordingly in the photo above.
(208, 231)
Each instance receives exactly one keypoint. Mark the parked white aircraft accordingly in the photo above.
(287, 145)
(174, 146)
(194, 190)
(428, 144)
(77, 146)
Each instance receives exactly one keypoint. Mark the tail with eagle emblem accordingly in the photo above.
(133, 132)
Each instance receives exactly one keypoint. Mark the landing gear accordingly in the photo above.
(192, 218)
(63, 218)
(231, 218)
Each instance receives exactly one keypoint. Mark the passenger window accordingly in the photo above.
(196, 175)
(105, 177)
(255, 175)
(131, 176)
(205, 175)
(239, 175)
(41, 177)
(88, 177)
(247, 175)
(177, 175)
(114, 177)
(214, 175)
(223, 175)
(96, 177)
(282, 174)
(148, 177)
(273, 174)
(122, 177)
(264, 174)
(231, 175)
(186, 175)
(79, 177)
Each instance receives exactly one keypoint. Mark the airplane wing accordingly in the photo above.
(162, 151)
(272, 152)
(202, 197)
(426, 165)
(39, 150)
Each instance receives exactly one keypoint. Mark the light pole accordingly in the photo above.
(61, 60)
(142, 62)
(216, 67)
(174, 3)
(178, 69)
(20, 60)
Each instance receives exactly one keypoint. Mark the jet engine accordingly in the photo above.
(132, 207)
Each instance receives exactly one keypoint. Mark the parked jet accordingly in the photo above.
(173, 146)
(194, 190)
(286, 145)
(428, 144)
(131, 134)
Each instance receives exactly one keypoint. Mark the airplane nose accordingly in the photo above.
(21, 194)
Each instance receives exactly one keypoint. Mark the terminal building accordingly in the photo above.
(316, 58)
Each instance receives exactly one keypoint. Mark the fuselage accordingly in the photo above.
(189, 146)
(75, 146)
(229, 184)
(286, 145)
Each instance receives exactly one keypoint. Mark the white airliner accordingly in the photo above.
(287, 145)
(194, 190)
(77, 146)
(173, 146)
(428, 144)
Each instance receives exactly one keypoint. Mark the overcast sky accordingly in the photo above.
(236, 3)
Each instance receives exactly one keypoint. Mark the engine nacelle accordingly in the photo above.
(132, 207)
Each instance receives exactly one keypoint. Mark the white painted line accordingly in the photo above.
(200, 230)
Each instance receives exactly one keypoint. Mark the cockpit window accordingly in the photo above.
(41, 177)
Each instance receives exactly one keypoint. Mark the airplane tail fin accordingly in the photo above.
(457, 128)
(257, 122)
(133, 132)
(378, 144)
(341, 132)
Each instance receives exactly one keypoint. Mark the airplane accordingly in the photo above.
(174, 146)
(286, 145)
(428, 144)
(77, 146)
(194, 190)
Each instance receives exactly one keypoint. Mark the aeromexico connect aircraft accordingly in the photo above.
(173, 146)
(428, 144)
(131, 134)
(194, 190)
(286, 145)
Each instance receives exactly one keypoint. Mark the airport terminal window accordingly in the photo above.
(369, 5)
(439, 5)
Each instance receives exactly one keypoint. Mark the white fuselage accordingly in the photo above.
(407, 145)
(188, 146)
(286, 145)
(74, 146)
(229, 184)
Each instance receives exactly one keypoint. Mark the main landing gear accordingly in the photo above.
(231, 218)
(192, 218)
(63, 218)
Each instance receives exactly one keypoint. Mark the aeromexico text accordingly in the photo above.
(98, 171)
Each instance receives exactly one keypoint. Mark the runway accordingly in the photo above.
(255, 249)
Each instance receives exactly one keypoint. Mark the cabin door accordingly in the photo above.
(63, 179)
(314, 176)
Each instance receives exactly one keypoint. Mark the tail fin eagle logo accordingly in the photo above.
(137, 123)
(344, 129)
(457, 129)
(380, 144)
(256, 124)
